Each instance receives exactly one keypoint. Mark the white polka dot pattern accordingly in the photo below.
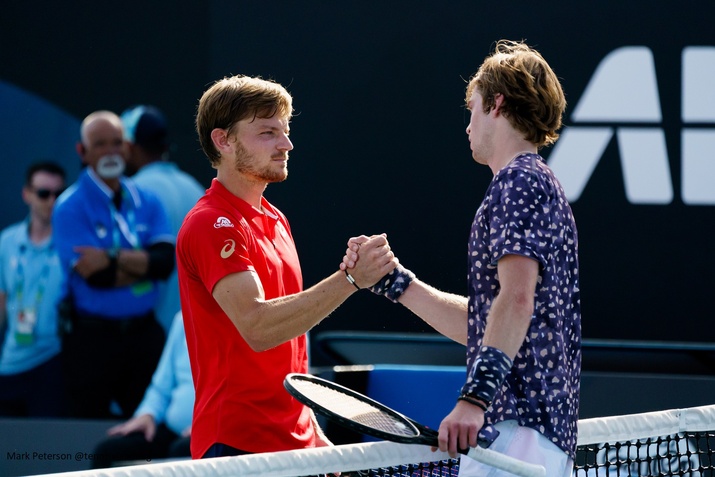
(525, 212)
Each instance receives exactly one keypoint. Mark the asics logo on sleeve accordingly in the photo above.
(222, 222)
(228, 249)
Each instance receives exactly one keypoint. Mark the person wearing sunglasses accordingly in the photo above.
(30, 289)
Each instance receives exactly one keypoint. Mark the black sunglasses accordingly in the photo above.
(45, 194)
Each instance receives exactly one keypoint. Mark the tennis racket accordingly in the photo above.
(362, 414)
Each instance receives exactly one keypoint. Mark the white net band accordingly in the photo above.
(314, 461)
(678, 442)
(667, 443)
(645, 425)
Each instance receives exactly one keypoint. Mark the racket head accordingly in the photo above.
(356, 411)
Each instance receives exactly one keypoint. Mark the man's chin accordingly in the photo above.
(277, 177)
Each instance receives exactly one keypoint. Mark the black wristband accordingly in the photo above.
(474, 401)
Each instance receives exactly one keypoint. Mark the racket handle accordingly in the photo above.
(506, 463)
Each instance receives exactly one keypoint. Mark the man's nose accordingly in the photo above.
(286, 144)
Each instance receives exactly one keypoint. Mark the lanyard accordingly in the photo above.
(20, 278)
(127, 226)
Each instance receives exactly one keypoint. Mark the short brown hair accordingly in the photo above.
(533, 99)
(234, 98)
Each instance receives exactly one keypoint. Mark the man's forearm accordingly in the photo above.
(113, 275)
(133, 262)
(157, 262)
(265, 324)
(445, 312)
(507, 325)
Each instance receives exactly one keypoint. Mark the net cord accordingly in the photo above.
(642, 426)
(312, 461)
(353, 457)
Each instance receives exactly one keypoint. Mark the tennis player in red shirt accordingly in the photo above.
(244, 307)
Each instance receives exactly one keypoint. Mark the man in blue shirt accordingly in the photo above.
(115, 244)
(30, 289)
(146, 134)
(161, 426)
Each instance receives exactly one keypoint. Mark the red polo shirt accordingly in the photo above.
(240, 399)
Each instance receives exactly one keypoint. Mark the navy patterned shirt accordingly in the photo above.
(525, 212)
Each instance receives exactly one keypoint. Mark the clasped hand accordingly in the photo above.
(90, 260)
(368, 259)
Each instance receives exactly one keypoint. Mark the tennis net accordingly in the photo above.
(677, 442)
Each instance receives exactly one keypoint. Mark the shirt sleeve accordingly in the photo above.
(216, 245)
(520, 222)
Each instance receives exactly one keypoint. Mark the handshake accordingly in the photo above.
(369, 261)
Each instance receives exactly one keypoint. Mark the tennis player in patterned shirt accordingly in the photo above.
(522, 320)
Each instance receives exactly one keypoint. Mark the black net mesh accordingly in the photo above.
(681, 454)
(444, 468)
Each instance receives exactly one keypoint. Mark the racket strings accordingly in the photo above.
(353, 409)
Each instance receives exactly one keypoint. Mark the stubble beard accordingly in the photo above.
(245, 164)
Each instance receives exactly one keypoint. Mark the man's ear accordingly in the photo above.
(498, 102)
(220, 139)
(26, 192)
(81, 152)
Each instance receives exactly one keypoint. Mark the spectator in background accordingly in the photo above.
(30, 289)
(146, 135)
(161, 426)
(115, 245)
